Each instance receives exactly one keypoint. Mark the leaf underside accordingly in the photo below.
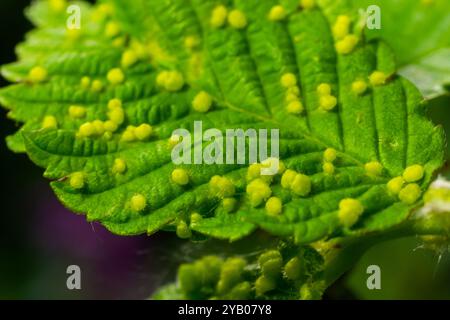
(241, 70)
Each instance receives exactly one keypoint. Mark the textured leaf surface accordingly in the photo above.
(241, 70)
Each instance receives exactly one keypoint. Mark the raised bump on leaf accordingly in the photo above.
(329, 154)
(143, 131)
(138, 202)
(77, 180)
(349, 211)
(237, 19)
(413, 173)
(202, 102)
(328, 168)
(77, 112)
(180, 176)
(410, 193)
(120, 166)
(395, 185)
(359, 87)
(373, 168)
(85, 82)
(274, 207)
(37, 74)
(49, 122)
(277, 13)
(219, 16)
(341, 26)
(377, 78)
(115, 76)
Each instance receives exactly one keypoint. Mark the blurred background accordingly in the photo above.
(39, 238)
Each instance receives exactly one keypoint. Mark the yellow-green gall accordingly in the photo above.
(264, 284)
(413, 173)
(117, 116)
(328, 168)
(110, 126)
(128, 135)
(229, 204)
(308, 4)
(359, 87)
(253, 171)
(373, 168)
(112, 29)
(410, 194)
(129, 58)
(377, 78)
(324, 89)
(180, 176)
(301, 185)
(258, 191)
(395, 185)
(202, 102)
(87, 129)
(287, 178)
(349, 211)
(293, 269)
(237, 19)
(341, 27)
(274, 207)
(138, 202)
(143, 132)
(195, 218)
(99, 127)
(114, 103)
(97, 85)
(183, 231)
(85, 82)
(222, 187)
(37, 74)
(119, 166)
(77, 112)
(77, 180)
(346, 45)
(288, 80)
(328, 103)
(49, 122)
(329, 155)
(115, 76)
(219, 16)
(277, 13)
(295, 107)
(170, 80)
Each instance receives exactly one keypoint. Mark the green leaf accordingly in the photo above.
(241, 69)
(419, 33)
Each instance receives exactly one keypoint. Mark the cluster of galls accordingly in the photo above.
(295, 276)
